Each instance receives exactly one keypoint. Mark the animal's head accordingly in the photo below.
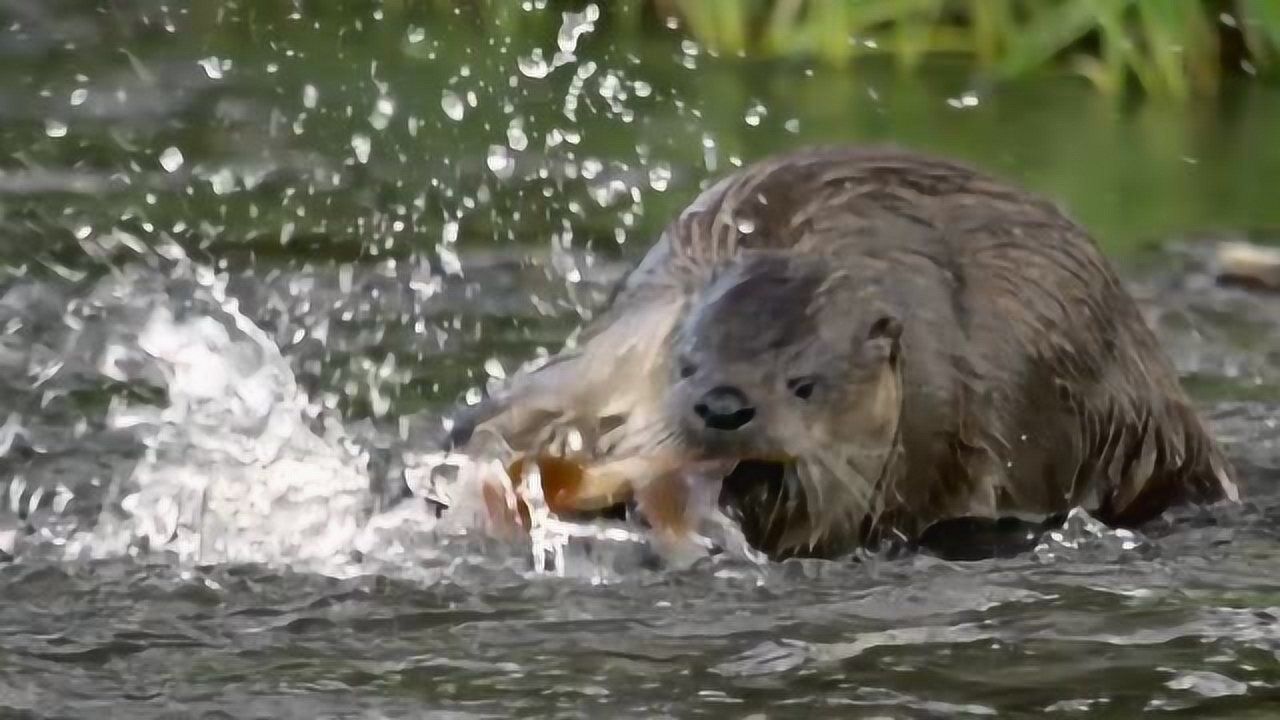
(783, 358)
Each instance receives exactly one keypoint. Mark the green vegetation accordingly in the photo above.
(1170, 48)
(1173, 48)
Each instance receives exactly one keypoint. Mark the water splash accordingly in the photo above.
(1083, 537)
(238, 464)
(232, 471)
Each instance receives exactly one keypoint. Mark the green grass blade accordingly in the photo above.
(1260, 21)
(1047, 34)
(721, 25)
(993, 26)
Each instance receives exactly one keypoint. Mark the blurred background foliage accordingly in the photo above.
(1170, 48)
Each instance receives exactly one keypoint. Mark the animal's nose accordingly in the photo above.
(724, 408)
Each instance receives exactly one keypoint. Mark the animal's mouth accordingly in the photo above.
(752, 477)
(581, 492)
(748, 478)
(754, 470)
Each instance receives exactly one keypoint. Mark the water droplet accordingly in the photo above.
(171, 159)
(642, 88)
(417, 34)
(500, 162)
(494, 368)
(591, 167)
(792, 125)
(746, 226)
(452, 105)
(383, 109)
(78, 96)
(534, 66)
(516, 137)
(310, 96)
(659, 177)
(449, 261)
(361, 144)
(755, 114)
(223, 181)
(574, 26)
(212, 67)
(610, 87)
(55, 128)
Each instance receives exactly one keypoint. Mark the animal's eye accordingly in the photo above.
(802, 387)
(687, 369)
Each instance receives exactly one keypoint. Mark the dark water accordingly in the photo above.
(249, 252)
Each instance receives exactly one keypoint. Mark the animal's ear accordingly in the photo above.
(882, 338)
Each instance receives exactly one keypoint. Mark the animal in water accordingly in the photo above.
(875, 342)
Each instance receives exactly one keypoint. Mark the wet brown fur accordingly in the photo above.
(1029, 382)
